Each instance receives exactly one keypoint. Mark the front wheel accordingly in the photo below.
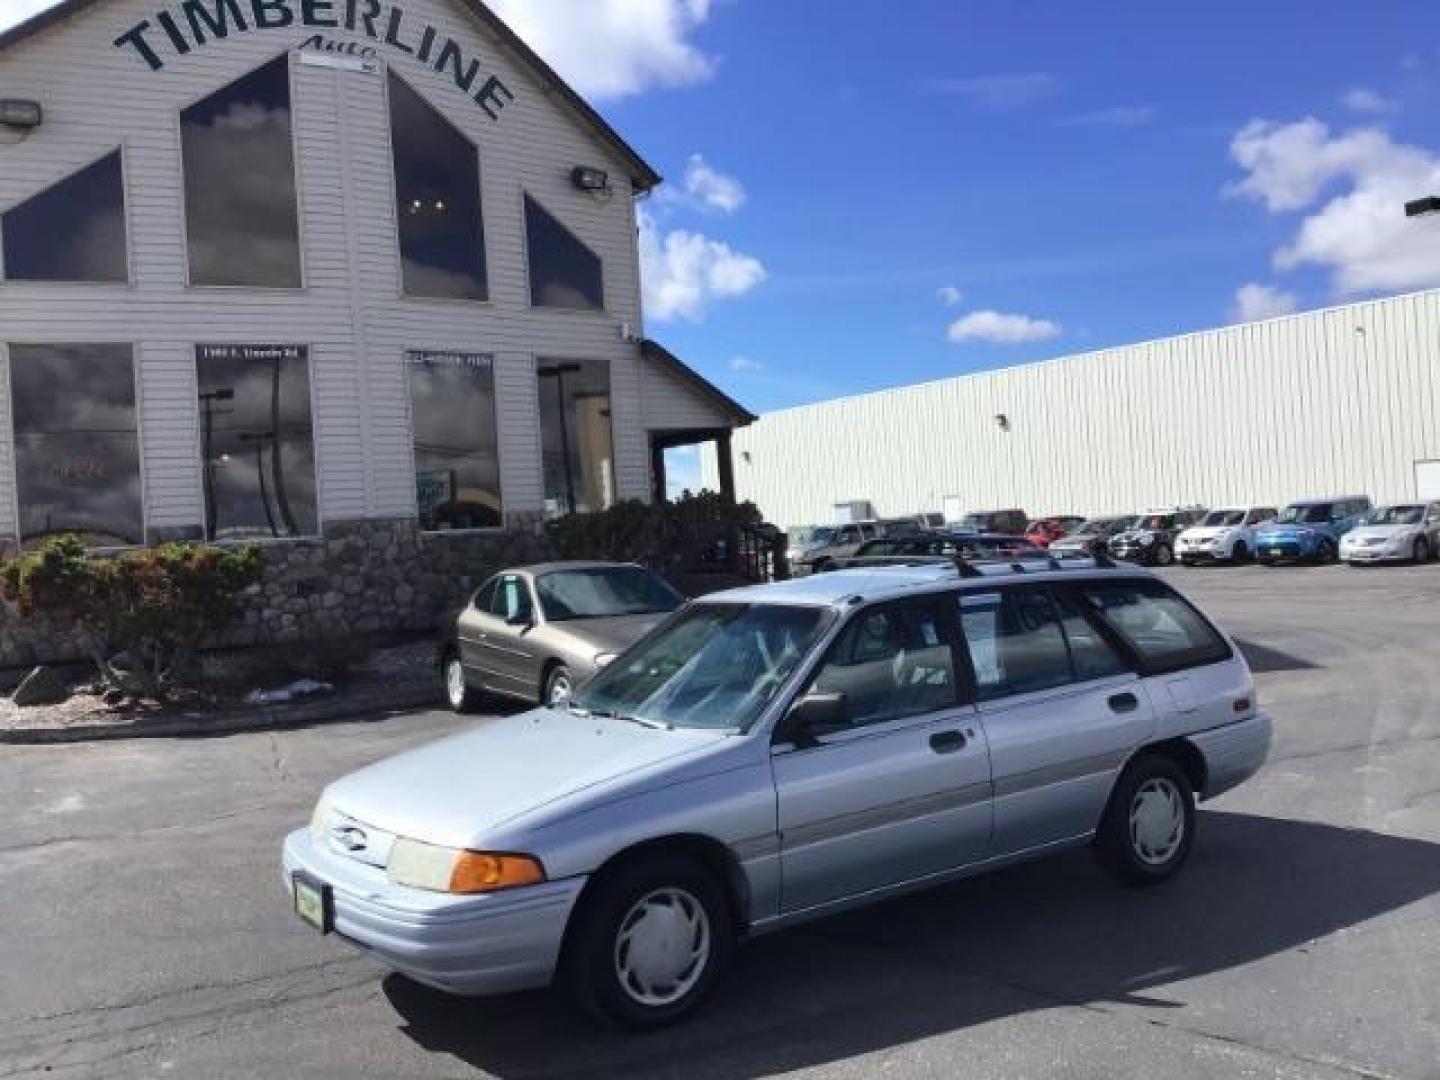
(1422, 550)
(1164, 555)
(1240, 554)
(460, 696)
(650, 942)
(1325, 554)
(1149, 826)
(559, 685)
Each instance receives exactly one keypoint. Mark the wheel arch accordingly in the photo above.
(1185, 754)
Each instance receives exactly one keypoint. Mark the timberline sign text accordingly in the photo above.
(185, 27)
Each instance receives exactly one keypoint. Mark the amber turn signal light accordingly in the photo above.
(482, 872)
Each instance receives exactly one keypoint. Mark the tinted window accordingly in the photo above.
(576, 440)
(437, 200)
(240, 206)
(511, 599)
(257, 441)
(1160, 626)
(602, 592)
(72, 231)
(486, 596)
(457, 459)
(1015, 642)
(1091, 656)
(712, 666)
(1312, 514)
(77, 458)
(563, 272)
(890, 661)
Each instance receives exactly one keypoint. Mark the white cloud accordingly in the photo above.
(614, 48)
(1008, 91)
(17, 11)
(1254, 302)
(744, 363)
(683, 272)
(1117, 116)
(711, 188)
(949, 295)
(1001, 329)
(1361, 234)
(1362, 99)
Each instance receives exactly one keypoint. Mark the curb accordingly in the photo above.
(262, 718)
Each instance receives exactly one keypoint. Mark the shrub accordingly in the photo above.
(139, 616)
(667, 537)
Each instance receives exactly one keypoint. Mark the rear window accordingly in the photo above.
(1163, 630)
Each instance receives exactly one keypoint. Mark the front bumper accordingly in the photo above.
(1359, 554)
(1284, 550)
(475, 945)
(1234, 753)
(1133, 552)
(1192, 550)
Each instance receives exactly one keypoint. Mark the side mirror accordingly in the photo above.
(812, 716)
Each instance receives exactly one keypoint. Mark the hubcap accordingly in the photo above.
(663, 947)
(1157, 821)
(559, 689)
(455, 681)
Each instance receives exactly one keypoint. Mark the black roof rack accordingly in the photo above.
(973, 568)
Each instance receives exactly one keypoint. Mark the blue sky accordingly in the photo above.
(872, 193)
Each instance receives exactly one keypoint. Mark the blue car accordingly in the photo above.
(1309, 530)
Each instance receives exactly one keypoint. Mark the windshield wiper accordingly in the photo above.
(611, 714)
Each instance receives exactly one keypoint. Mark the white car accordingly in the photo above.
(1399, 533)
(1224, 535)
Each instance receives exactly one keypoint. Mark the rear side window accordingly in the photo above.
(1159, 625)
(1022, 641)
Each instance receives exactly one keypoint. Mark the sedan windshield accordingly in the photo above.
(714, 666)
(603, 592)
(1224, 517)
(1313, 514)
(1398, 515)
(821, 536)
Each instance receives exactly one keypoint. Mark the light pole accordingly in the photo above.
(558, 373)
(207, 402)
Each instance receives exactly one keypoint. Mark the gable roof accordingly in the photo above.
(738, 414)
(642, 175)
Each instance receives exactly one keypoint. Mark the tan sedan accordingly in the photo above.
(537, 632)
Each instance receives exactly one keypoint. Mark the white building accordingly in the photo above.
(1341, 401)
(274, 265)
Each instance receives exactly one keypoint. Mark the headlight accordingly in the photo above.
(604, 658)
(454, 870)
(319, 818)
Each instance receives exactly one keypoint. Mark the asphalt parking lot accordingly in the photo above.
(145, 931)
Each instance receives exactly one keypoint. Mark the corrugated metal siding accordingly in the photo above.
(357, 325)
(1329, 402)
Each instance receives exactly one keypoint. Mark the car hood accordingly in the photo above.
(1296, 529)
(454, 791)
(1380, 532)
(1208, 532)
(610, 635)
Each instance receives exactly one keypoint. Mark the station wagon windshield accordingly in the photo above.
(715, 666)
(603, 592)
(1316, 513)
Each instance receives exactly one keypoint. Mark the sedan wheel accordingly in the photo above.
(1240, 554)
(558, 686)
(649, 941)
(1422, 550)
(1164, 555)
(458, 693)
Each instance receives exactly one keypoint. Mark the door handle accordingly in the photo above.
(1123, 703)
(947, 742)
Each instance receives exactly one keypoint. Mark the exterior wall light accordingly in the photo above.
(589, 178)
(20, 114)
(1002, 421)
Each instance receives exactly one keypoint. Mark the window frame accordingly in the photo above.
(471, 349)
(604, 308)
(262, 541)
(7, 372)
(823, 651)
(122, 149)
(400, 294)
(178, 126)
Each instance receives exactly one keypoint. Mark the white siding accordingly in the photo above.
(671, 405)
(1342, 401)
(97, 97)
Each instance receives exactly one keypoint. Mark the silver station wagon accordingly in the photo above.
(777, 753)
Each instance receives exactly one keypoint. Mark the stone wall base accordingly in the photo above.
(363, 578)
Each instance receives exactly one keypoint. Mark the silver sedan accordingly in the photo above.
(777, 753)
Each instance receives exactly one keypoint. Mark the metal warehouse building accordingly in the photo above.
(359, 279)
(1340, 401)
